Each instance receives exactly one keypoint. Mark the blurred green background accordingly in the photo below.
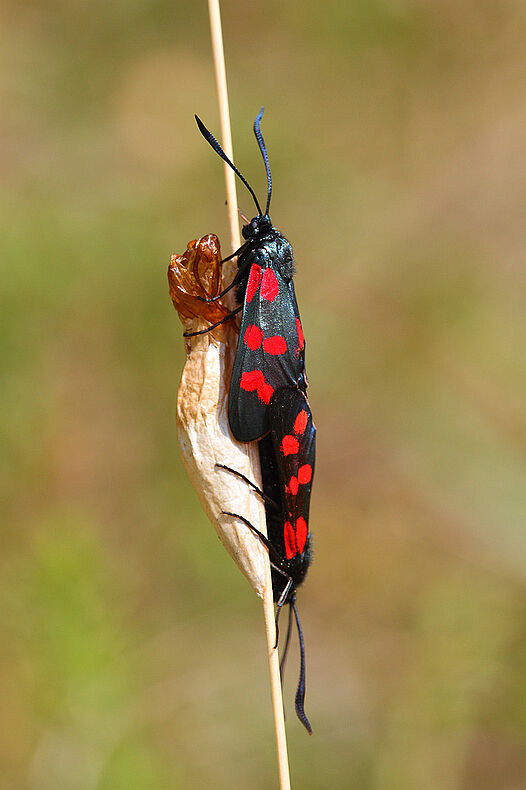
(131, 648)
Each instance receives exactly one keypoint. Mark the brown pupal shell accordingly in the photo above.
(202, 411)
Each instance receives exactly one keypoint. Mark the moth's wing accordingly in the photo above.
(294, 439)
(303, 382)
(268, 354)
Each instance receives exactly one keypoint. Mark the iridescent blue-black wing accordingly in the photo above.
(270, 351)
(294, 438)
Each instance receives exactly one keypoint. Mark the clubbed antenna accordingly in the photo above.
(209, 137)
(300, 693)
(263, 149)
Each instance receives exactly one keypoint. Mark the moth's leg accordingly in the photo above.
(261, 493)
(213, 326)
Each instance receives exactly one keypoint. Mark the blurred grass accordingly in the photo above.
(131, 651)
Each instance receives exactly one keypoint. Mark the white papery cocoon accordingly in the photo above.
(205, 439)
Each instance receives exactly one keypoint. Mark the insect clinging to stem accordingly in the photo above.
(287, 457)
(271, 348)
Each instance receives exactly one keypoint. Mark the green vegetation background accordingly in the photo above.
(131, 649)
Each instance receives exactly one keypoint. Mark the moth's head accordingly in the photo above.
(257, 226)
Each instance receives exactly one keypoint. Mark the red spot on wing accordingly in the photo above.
(301, 534)
(295, 538)
(301, 336)
(305, 474)
(253, 337)
(251, 380)
(253, 281)
(254, 380)
(265, 392)
(269, 285)
(293, 486)
(290, 540)
(275, 345)
(289, 445)
(300, 423)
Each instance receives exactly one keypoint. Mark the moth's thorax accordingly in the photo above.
(265, 249)
(273, 250)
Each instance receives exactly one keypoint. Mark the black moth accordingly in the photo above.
(267, 399)
(271, 347)
(287, 457)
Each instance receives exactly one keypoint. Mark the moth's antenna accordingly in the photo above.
(286, 648)
(209, 137)
(300, 693)
(263, 149)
